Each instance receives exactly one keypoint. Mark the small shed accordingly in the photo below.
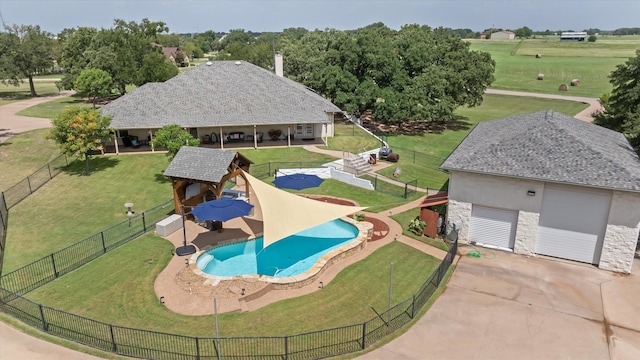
(199, 174)
(430, 216)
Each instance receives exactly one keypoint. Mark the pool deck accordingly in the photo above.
(186, 293)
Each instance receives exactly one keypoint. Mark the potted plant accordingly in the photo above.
(417, 226)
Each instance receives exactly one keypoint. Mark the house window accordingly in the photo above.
(193, 132)
(309, 129)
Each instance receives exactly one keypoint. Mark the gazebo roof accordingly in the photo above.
(201, 164)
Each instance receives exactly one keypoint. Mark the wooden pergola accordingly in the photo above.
(209, 168)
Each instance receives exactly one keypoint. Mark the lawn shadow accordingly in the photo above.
(161, 179)
(96, 164)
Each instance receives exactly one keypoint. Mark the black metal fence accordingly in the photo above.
(158, 345)
(33, 182)
(22, 190)
(48, 268)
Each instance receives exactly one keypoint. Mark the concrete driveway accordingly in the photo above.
(506, 306)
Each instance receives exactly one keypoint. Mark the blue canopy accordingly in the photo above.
(297, 181)
(221, 209)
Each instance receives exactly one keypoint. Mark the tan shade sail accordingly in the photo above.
(284, 213)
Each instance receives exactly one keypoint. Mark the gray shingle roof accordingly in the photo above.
(224, 93)
(549, 146)
(202, 164)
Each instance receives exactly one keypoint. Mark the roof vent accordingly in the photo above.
(209, 63)
(238, 63)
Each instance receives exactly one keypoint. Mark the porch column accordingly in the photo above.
(288, 135)
(221, 139)
(116, 141)
(255, 138)
(151, 141)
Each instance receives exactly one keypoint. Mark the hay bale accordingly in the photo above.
(575, 82)
(540, 76)
(538, 56)
(563, 87)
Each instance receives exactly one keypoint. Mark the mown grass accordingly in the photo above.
(22, 155)
(517, 67)
(51, 109)
(73, 206)
(118, 288)
(10, 93)
(348, 137)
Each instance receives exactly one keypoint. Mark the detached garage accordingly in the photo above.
(548, 184)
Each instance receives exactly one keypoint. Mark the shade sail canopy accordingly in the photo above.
(221, 210)
(297, 181)
(285, 214)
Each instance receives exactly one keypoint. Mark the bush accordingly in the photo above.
(417, 226)
(592, 38)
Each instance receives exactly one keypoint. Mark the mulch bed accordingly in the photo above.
(380, 228)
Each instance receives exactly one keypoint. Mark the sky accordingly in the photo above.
(193, 16)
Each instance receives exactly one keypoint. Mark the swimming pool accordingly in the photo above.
(289, 257)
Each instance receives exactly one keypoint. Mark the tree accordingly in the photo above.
(74, 43)
(81, 131)
(592, 38)
(524, 32)
(415, 73)
(26, 51)
(93, 83)
(622, 106)
(172, 138)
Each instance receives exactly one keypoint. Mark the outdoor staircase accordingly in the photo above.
(356, 164)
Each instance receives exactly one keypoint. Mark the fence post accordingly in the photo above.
(53, 262)
(49, 168)
(144, 223)
(413, 306)
(197, 349)
(406, 186)
(414, 156)
(104, 248)
(375, 182)
(286, 347)
(29, 183)
(114, 348)
(44, 322)
(364, 335)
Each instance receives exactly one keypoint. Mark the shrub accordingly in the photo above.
(592, 38)
(417, 226)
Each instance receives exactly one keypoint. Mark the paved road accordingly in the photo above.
(12, 124)
(584, 115)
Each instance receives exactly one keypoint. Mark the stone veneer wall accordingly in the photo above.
(623, 227)
(526, 233)
(459, 212)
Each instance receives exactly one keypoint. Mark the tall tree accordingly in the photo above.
(622, 107)
(93, 83)
(75, 43)
(26, 51)
(172, 138)
(81, 131)
(416, 73)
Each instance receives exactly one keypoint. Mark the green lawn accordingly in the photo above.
(517, 67)
(73, 206)
(22, 155)
(117, 288)
(348, 137)
(51, 109)
(10, 93)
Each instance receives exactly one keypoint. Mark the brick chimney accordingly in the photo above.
(279, 66)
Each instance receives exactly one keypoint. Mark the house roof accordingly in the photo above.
(198, 163)
(549, 146)
(219, 93)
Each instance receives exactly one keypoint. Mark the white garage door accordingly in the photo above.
(573, 221)
(493, 227)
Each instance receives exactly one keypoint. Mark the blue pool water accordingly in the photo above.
(290, 256)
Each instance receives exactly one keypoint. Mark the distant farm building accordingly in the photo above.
(573, 36)
(503, 35)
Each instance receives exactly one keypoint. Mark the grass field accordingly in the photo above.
(118, 288)
(517, 67)
(10, 93)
